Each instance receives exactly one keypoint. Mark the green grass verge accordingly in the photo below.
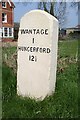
(62, 104)
(8, 51)
(68, 48)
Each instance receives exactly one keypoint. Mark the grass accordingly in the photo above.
(8, 51)
(68, 48)
(79, 76)
(62, 104)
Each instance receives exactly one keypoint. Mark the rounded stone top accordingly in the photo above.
(41, 12)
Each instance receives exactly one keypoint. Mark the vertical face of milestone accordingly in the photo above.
(36, 46)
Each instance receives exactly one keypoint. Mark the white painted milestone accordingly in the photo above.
(37, 55)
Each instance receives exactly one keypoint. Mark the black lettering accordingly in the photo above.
(29, 57)
(27, 49)
(37, 49)
(48, 50)
(31, 49)
(30, 32)
(34, 30)
(37, 31)
(33, 40)
(34, 49)
(19, 48)
(22, 31)
(32, 58)
(26, 31)
(46, 31)
(44, 50)
(40, 49)
(42, 31)
(24, 48)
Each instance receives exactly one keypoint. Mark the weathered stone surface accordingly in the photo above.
(37, 54)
